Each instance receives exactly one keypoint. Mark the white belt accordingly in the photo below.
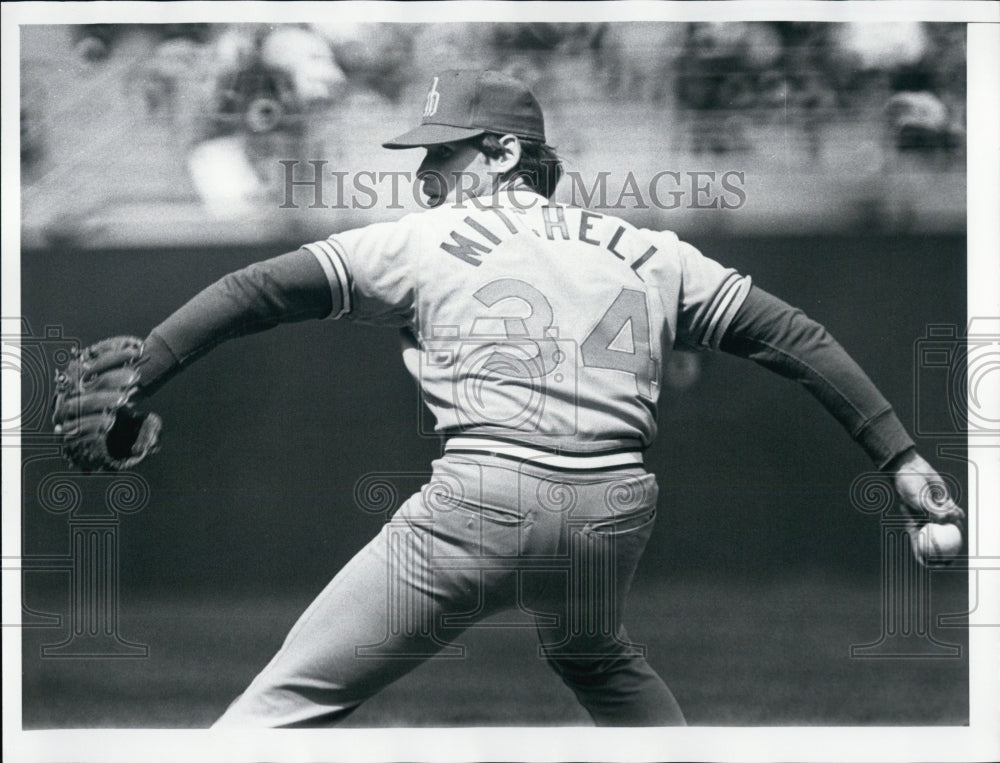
(616, 459)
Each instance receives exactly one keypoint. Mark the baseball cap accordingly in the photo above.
(462, 104)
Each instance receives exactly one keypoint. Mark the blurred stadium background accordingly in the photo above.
(137, 135)
(150, 166)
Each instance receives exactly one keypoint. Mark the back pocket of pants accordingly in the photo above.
(622, 524)
(497, 515)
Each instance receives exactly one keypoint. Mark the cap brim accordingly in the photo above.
(430, 135)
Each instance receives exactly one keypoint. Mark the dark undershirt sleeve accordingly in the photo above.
(784, 340)
(284, 289)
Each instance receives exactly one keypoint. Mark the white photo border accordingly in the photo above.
(978, 741)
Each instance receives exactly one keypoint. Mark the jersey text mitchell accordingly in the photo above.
(587, 229)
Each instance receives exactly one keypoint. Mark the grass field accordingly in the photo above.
(735, 653)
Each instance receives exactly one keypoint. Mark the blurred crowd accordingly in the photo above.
(239, 94)
(819, 73)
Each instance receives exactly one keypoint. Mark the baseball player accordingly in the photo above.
(536, 332)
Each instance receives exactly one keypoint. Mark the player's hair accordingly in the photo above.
(540, 168)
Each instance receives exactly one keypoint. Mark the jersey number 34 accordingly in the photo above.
(621, 340)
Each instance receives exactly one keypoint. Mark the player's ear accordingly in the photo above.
(511, 154)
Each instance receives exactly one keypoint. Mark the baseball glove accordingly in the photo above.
(94, 412)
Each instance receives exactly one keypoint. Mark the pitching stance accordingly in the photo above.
(537, 333)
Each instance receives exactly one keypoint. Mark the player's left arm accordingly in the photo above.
(783, 339)
(364, 275)
(94, 411)
(289, 288)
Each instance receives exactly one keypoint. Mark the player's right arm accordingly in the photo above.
(786, 341)
(756, 325)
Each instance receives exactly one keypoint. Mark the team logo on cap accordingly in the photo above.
(433, 98)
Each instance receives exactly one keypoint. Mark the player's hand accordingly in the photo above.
(924, 494)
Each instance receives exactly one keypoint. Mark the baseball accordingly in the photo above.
(937, 544)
